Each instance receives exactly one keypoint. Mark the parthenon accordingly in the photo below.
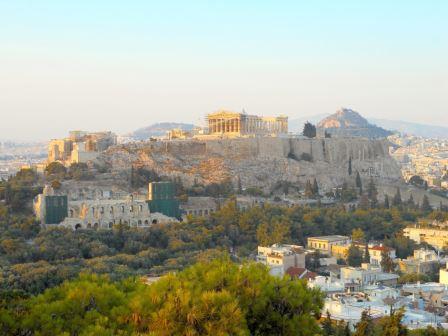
(239, 124)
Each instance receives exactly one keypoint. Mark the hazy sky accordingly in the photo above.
(121, 65)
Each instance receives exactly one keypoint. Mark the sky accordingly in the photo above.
(122, 65)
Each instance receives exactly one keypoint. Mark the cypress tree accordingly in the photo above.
(350, 166)
(396, 201)
(358, 182)
(386, 202)
(315, 188)
(425, 204)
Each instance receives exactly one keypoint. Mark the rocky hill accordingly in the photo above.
(158, 129)
(260, 162)
(346, 122)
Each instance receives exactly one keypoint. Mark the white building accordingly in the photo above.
(280, 257)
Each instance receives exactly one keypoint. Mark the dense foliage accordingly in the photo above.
(212, 298)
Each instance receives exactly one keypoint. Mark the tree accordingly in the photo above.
(358, 182)
(396, 201)
(185, 303)
(364, 202)
(55, 169)
(315, 188)
(387, 264)
(354, 256)
(79, 171)
(309, 193)
(365, 326)
(309, 130)
(366, 257)
(372, 193)
(417, 181)
(386, 202)
(410, 202)
(426, 207)
(358, 235)
(350, 166)
(392, 326)
(327, 325)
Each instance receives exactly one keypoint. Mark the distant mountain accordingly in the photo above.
(426, 131)
(158, 129)
(346, 122)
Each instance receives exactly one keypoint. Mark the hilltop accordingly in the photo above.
(158, 129)
(346, 122)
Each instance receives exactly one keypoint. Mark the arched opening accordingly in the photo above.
(71, 213)
(154, 221)
(122, 208)
(140, 208)
(77, 226)
(89, 226)
(110, 225)
(146, 222)
(95, 226)
(139, 222)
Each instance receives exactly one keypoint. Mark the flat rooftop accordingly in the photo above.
(330, 238)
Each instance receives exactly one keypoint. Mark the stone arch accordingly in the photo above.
(89, 226)
(122, 208)
(71, 212)
(110, 225)
(95, 226)
(154, 221)
(77, 226)
(146, 222)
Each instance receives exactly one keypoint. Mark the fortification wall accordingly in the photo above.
(262, 162)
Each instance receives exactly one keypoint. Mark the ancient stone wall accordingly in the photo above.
(261, 162)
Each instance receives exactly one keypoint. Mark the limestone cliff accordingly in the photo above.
(260, 162)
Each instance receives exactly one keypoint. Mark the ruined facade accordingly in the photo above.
(80, 146)
(241, 124)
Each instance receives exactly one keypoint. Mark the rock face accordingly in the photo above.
(260, 162)
(346, 122)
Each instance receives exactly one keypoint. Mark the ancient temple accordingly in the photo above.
(241, 124)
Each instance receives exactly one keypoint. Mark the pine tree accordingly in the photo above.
(309, 130)
(358, 182)
(365, 326)
(386, 202)
(396, 201)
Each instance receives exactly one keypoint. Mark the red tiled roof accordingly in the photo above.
(296, 271)
(300, 273)
(380, 248)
